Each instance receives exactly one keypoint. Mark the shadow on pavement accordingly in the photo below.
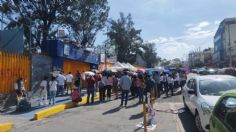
(187, 120)
(136, 116)
(137, 129)
(133, 105)
(132, 97)
(15, 112)
(92, 104)
(112, 110)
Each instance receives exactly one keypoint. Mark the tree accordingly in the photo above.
(36, 16)
(126, 39)
(86, 19)
(150, 55)
(44, 17)
(165, 62)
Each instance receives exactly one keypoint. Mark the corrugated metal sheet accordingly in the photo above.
(13, 66)
(73, 66)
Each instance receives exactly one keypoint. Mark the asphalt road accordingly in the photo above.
(109, 117)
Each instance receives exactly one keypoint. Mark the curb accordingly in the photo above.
(59, 108)
(6, 127)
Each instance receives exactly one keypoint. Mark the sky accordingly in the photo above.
(177, 27)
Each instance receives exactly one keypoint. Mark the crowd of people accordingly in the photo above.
(108, 83)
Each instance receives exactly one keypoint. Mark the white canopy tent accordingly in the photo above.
(121, 66)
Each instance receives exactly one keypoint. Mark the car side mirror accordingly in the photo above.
(191, 91)
(231, 103)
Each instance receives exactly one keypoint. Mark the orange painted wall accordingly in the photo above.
(13, 66)
(73, 66)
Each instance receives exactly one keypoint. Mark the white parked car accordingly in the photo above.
(201, 93)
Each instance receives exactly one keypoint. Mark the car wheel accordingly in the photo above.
(198, 123)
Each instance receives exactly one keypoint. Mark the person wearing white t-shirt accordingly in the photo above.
(52, 90)
(61, 83)
(176, 80)
(43, 91)
(69, 80)
(170, 81)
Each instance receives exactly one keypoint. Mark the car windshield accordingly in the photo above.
(216, 87)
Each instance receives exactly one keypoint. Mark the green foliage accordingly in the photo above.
(126, 39)
(128, 43)
(150, 54)
(44, 17)
(86, 18)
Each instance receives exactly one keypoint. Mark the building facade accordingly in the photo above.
(225, 44)
(196, 59)
(208, 57)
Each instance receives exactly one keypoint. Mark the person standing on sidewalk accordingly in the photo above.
(69, 80)
(43, 91)
(53, 90)
(105, 83)
(125, 83)
(90, 89)
(61, 83)
(157, 88)
(170, 81)
(115, 85)
(77, 81)
(176, 80)
(162, 83)
(150, 83)
(165, 82)
(140, 84)
(183, 79)
(101, 90)
(109, 86)
(20, 88)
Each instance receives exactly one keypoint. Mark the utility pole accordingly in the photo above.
(30, 36)
(105, 56)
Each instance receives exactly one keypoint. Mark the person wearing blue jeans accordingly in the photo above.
(140, 94)
(52, 97)
(91, 88)
(90, 91)
(60, 90)
(125, 83)
(61, 83)
(124, 97)
(53, 90)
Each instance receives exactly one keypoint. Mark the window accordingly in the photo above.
(226, 112)
(189, 83)
(231, 113)
(194, 85)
